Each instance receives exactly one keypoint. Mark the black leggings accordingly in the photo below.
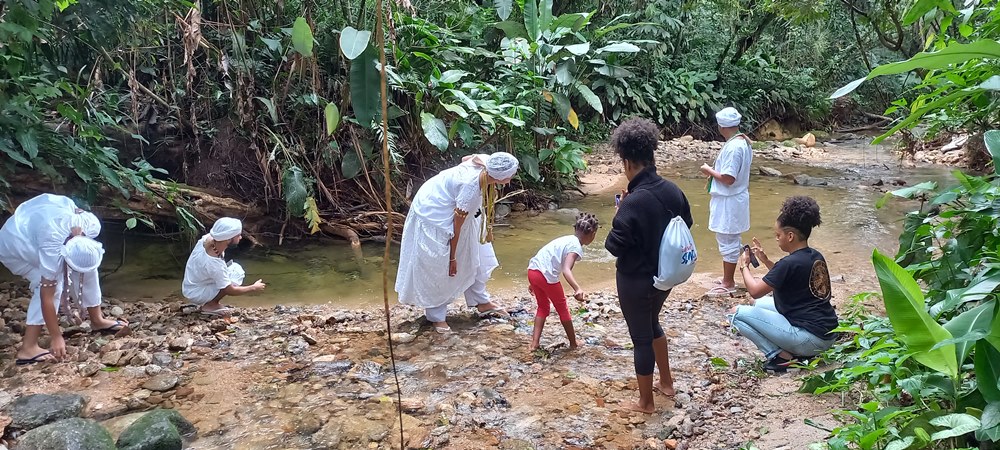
(641, 304)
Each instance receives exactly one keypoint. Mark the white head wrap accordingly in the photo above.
(83, 254)
(728, 117)
(87, 222)
(501, 165)
(226, 228)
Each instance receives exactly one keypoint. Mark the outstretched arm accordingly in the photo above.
(567, 269)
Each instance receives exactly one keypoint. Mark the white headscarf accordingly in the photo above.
(226, 228)
(501, 165)
(728, 117)
(83, 254)
(87, 222)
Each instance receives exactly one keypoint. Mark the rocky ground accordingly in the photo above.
(322, 378)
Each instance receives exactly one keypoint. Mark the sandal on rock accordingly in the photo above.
(721, 291)
(113, 329)
(443, 330)
(221, 312)
(492, 312)
(36, 359)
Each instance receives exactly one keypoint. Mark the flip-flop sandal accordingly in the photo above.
(113, 329)
(29, 361)
(221, 312)
(443, 330)
(498, 312)
(720, 291)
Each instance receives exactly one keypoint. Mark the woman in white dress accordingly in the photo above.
(447, 238)
(50, 242)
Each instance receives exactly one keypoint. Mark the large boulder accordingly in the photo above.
(36, 410)
(161, 429)
(68, 434)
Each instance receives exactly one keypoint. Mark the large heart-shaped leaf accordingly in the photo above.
(904, 304)
(365, 95)
(351, 165)
(992, 139)
(434, 130)
(579, 49)
(302, 38)
(294, 186)
(504, 8)
(954, 425)
(353, 42)
(592, 99)
(332, 115)
(969, 327)
(530, 164)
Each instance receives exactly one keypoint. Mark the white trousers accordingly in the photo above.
(729, 247)
(475, 295)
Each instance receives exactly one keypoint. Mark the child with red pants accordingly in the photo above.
(558, 257)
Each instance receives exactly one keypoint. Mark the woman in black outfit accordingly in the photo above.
(643, 213)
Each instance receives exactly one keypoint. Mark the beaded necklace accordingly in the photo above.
(489, 191)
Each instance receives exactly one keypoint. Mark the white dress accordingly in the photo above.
(422, 279)
(31, 244)
(730, 205)
(205, 275)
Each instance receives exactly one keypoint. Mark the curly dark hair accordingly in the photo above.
(586, 223)
(800, 213)
(635, 140)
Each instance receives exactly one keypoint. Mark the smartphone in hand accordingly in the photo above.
(753, 258)
(618, 199)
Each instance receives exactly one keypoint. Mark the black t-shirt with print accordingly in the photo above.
(801, 283)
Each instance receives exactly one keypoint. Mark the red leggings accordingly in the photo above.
(546, 292)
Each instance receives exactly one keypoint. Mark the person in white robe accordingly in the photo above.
(729, 187)
(447, 249)
(50, 242)
(208, 277)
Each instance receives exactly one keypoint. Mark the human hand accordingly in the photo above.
(57, 347)
(579, 295)
(758, 251)
(258, 285)
(706, 170)
(621, 198)
(452, 268)
(744, 258)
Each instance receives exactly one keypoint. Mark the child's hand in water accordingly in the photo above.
(579, 295)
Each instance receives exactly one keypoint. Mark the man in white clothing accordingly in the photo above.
(207, 276)
(728, 184)
(50, 242)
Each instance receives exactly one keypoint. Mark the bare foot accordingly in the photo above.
(573, 346)
(532, 348)
(636, 407)
(665, 389)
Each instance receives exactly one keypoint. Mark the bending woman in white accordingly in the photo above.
(447, 239)
(207, 276)
(49, 241)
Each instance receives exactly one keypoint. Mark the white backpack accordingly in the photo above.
(677, 255)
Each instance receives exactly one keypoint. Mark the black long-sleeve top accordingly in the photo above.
(643, 214)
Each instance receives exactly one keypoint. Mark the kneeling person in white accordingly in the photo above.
(49, 241)
(207, 277)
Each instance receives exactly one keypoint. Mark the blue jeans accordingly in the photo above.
(771, 332)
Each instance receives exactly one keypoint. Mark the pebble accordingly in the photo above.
(736, 410)
(117, 311)
(162, 382)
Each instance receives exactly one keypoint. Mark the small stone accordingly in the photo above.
(90, 369)
(681, 399)
(182, 392)
(153, 370)
(117, 311)
(180, 344)
(403, 338)
(412, 404)
(769, 172)
(162, 382)
(670, 444)
(140, 359)
(309, 339)
(735, 410)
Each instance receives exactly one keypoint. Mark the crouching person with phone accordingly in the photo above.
(796, 320)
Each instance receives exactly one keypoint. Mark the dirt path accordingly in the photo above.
(319, 377)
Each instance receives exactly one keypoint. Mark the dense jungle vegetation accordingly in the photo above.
(175, 111)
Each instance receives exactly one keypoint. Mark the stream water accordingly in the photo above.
(328, 272)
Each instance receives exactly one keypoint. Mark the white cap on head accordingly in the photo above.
(501, 165)
(87, 222)
(226, 228)
(728, 117)
(83, 254)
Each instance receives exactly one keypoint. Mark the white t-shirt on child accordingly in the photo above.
(549, 259)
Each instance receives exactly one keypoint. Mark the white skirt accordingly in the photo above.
(422, 279)
(729, 214)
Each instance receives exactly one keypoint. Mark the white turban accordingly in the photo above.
(226, 228)
(83, 254)
(728, 117)
(87, 222)
(501, 165)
